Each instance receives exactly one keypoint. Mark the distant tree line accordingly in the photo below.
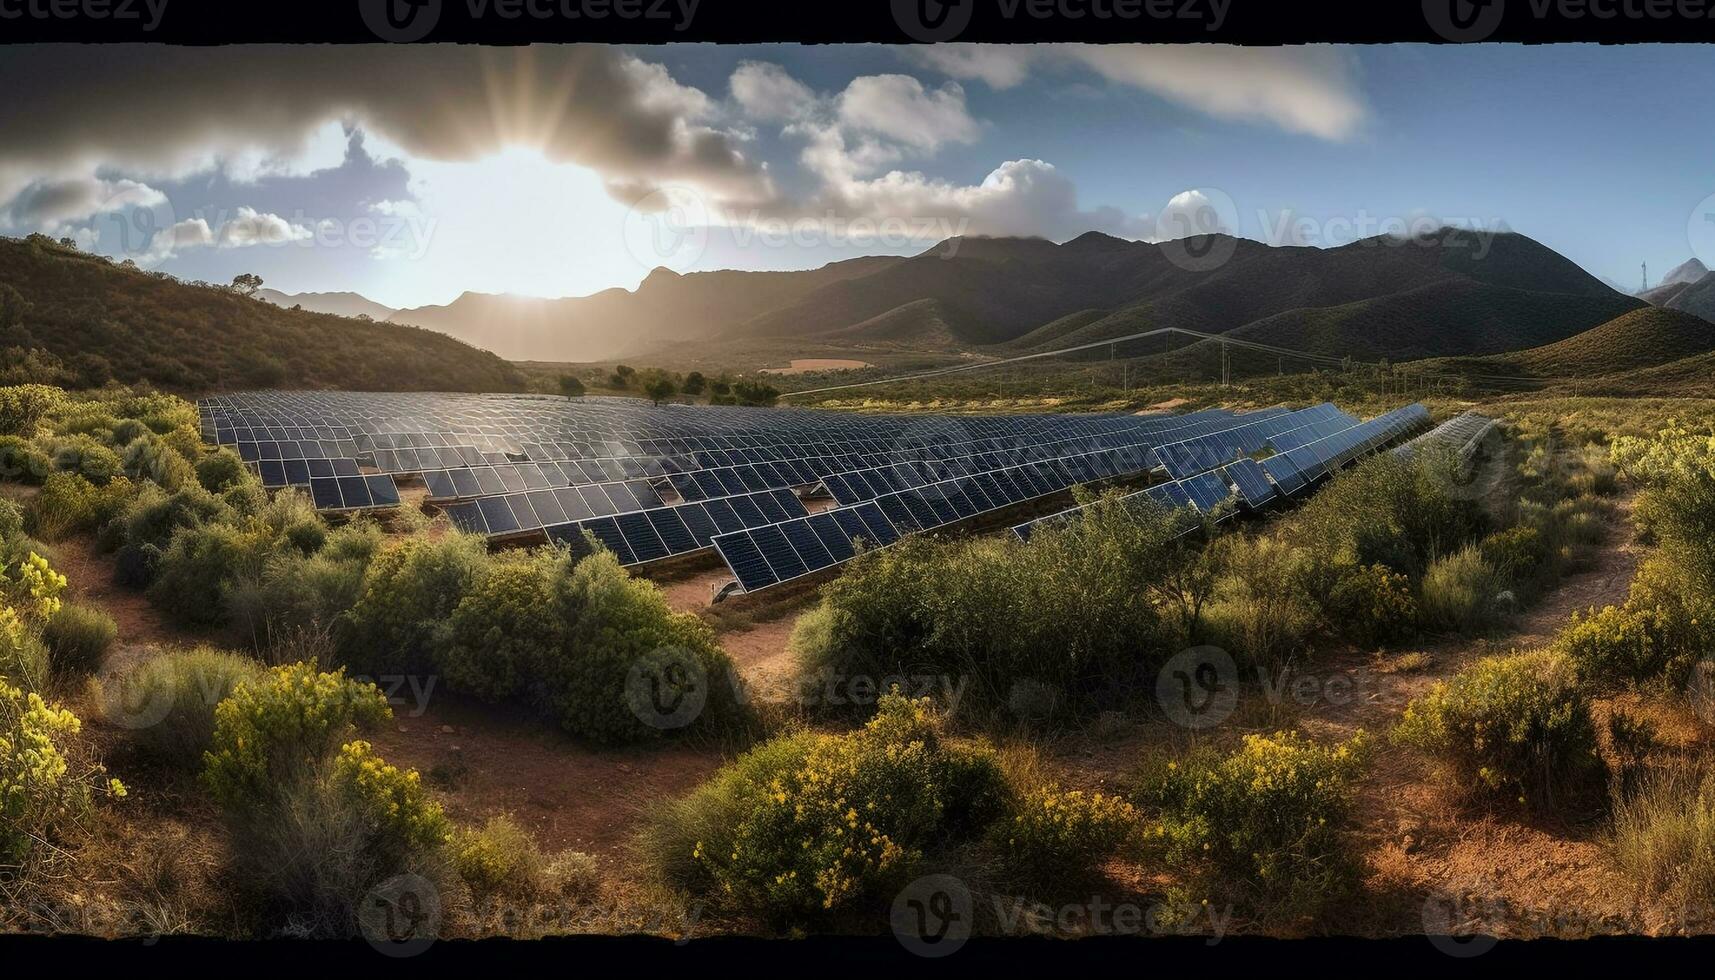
(660, 385)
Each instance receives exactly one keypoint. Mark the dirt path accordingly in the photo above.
(89, 578)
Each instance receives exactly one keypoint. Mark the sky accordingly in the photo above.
(412, 174)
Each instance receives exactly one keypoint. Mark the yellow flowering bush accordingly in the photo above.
(1268, 815)
(38, 786)
(392, 801)
(1515, 727)
(36, 587)
(808, 824)
(270, 733)
(1055, 834)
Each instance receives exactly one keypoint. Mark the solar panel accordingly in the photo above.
(1252, 482)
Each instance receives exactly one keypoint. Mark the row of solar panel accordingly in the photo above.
(917, 509)
(1207, 452)
(769, 556)
(1256, 483)
(1463, 432)
(277, 473)
(256, 452)
(354, 492)
(545, 510)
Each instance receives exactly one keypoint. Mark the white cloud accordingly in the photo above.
(48, 204)
(898, 107)
(1310, 89)
(251, 227)
(766, 93)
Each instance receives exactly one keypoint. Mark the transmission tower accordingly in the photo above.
(1646, 278)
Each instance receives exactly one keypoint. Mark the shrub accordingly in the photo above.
(22, 407)
(88, 458)
(392, 801)
(408, 591)
(1515, 727)
(23, 655)
(181, 689)
(1459, 592)
(1261, 608)
(619, 627)
(127, 431)
(220, 471)
(22, 462)
(78, 638)
(275, 731)
(501, 858)
(152, 458)
(1267, 817)
(507, 628)
(66, 504)
(1520, 556)
(42, 783)
(1384, 510)
(1055, 836)
(296, 597)
(1664, 838)
(1373, 605)
(153, 515)
(199, 567)
(809, 824)
(1071, 612)
(136, 565)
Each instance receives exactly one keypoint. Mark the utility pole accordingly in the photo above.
(1226, 366)
(1646, 278)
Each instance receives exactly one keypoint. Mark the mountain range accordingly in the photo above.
(1448, 293)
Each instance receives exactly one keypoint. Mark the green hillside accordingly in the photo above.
(1641, 340)
(79, 319)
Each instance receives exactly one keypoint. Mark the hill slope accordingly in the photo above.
(339, 304)
(1648, 338)
(1696, 298)
(105, 320)
(665, 308)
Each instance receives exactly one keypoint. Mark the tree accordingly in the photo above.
(660, 389)
(570, 386)
(754, 393)
(247, 283)
(695, 383)
(623, 376)
(720, 386)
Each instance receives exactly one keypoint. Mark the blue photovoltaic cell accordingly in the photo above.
(606, 530)
(1284, 474)
(640, 535)
(1253, 484)
(325, 494)
(745, 559)
(671, 527)
(804, 541)
(779, 552)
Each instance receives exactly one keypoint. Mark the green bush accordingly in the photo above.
(22, 407)
(181, 690)
(43, 783)
(221, 470)
(1664, 838)
(78, 639)
(154, 515)
(127, 431)
(1459, 593)
(136, 565)
(1515, 727)
(1054, 837)
(1267, 818)
(809, 824)
(198, 569)
(1384, 510)
(409, 590)
(152, 458)
(501, 859)
(617, 626)
(277, 731)
(392, 801)
(1373, 605)
(87, 457)
(297, 596)
(1072, 612)
(22, 462)
(1520, 556)
(1261, 609)
(508, 628)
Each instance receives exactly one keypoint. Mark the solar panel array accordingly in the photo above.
(1464, 432)
(1301, 456)
(765, 558)
(652, 482)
